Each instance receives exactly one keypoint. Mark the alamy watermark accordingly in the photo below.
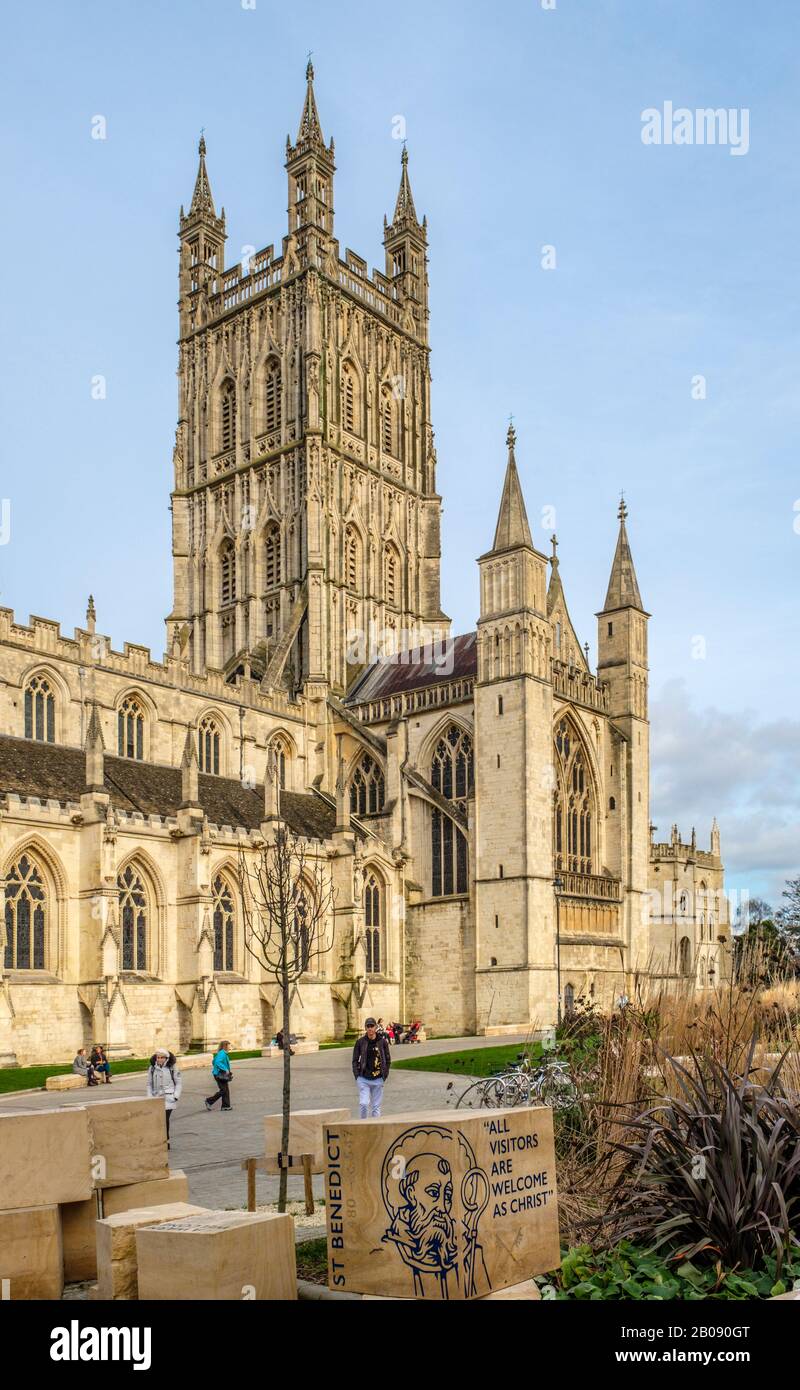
(678, 125)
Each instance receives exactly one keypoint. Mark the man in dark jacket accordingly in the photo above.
(371, 1063)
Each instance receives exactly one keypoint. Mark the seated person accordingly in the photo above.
(100, 1063)
(83, 1067)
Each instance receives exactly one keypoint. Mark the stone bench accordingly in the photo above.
(70, 1081)
(298, 1048)
(194, 1061)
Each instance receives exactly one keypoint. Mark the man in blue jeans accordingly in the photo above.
(371, 1063)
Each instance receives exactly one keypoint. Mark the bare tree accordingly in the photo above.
(287, 904)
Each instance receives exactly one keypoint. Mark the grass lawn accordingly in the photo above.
(25, 1078)
(312, 1260)
(481, 1061)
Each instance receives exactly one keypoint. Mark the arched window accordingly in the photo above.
(227, 415)
(133, 913)
(352, 559)
(451, 776)
(130, 729)
(350, 413)
(685, 956)
(223, 920)
(683, 902)
(208, 745)
(367, 788)
(273, 394)
(374, 926)
(569, 999)
(227, 573)
(391, 571)
(40, 710)
(573, 846)
(301, 931)
(279, 761)
(387, 424)
(701, 910)
(272, 556)
(26, 916)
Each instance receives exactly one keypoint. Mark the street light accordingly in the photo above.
(558, 885)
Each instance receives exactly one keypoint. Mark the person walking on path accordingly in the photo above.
(222, 1074)
(164, 1079)
(371, 1063)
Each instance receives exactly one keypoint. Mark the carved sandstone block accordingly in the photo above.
(44, 1157)
(442, 1205)
(219, 1255)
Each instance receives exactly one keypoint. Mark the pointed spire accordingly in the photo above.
(512, 521)
(310, 129)
(189, 770)
(90, 615)
(202, 200)
(94, 747)
(404, 207)
(623, 588)
(554, 589)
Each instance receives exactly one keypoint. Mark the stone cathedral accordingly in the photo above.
(480, 801)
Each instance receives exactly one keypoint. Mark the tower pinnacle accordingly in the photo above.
(623, 587)
(512, 521)
(202, 199)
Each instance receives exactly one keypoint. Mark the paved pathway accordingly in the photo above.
(210, 1146)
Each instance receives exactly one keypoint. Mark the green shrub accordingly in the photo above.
(714, 1167)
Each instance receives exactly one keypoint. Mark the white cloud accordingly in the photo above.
(709, 762)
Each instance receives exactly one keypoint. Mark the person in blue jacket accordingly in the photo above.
(222, 1074)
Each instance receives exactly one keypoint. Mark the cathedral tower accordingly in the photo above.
(305, 514)
(514, 904)
(622, 667)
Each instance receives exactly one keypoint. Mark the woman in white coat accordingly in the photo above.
(164, 1079)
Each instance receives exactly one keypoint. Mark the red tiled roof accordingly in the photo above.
(450, 659)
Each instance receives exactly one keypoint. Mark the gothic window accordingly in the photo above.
(387, 424)
(573, 804)
(228, 415)
(451, 776)
(685, 956)
(208, 745)
(352, 559)
(683, 902)
(391, 587)
(223, 920)
(227, 570)
(569, 999)
(374, 926)
(279, 761)
(133, 912)
(367, 788)
(40, 710)
(273, 395)
(350, 414)
(130, 729)
(272, 556)
(26, 916)
(301, 929)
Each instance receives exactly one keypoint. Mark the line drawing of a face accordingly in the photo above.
(418, 1192)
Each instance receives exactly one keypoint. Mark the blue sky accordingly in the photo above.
(524, 130)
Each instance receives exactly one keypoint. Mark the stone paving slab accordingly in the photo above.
(209, 1146)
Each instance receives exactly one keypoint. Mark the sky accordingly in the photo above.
(634, 306)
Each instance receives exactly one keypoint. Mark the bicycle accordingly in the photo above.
(548, 1084)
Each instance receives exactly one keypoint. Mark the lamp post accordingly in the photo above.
(558, 885)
